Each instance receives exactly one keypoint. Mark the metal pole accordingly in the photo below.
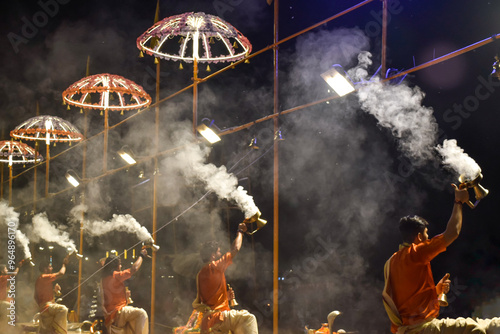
(84, 175)
(10, 185)
(276, 176)
(195, 94)
(384, 37)
(105, 143)
(35, 177)
(1, 180)
(79, 293)
(35, 164)
(47, 166)
(155, 200)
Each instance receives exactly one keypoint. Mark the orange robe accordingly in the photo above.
(411, 284)
(115, 297)
(212, 290)
(44, 290)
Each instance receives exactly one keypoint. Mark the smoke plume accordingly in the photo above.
(123, 223)
(10, 218)
(191, 163)
(399, 109)
(43, 229)
(457, 160)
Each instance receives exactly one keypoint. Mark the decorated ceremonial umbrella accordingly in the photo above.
(196, 38)
(49, 129)
(106, 92)
(14, 152)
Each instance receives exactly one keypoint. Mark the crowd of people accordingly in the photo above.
(410, 295)
(114, 296)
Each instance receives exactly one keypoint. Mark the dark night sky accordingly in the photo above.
(344, 182)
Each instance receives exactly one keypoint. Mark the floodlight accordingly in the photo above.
(208, 133)
(73, 178)
(340, 82)
(126, 154)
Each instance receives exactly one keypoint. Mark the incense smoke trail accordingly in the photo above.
(43, 229)
(123, 223)
(456, 159)
(8, 215)
(398, 108)
(191, 164)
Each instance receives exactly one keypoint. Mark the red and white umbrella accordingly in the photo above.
(14, 152)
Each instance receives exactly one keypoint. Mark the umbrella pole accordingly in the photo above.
(195, 94)
(47, 166)
(10, 185)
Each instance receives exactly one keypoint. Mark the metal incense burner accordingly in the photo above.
(150, 244)
(479, 191)
(257, 220)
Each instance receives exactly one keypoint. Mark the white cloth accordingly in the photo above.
(133, 320)
(238, 322)
(454, 326)
(55, 317)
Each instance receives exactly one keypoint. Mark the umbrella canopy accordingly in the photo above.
(194, 36)
(14, 152)
(106, 92)
(48, 128)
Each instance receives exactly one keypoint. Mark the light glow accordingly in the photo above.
(208, 133)
(127, 157)
(339, 82)
(72, 178)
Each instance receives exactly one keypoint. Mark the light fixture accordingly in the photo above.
(496, 68)
(278, 136)
(340, 82)
(73, 178)
(253, 143)
(126, 154)
(208, 133)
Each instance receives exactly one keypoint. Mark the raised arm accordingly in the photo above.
(62, 271)
(137, 264)
(235, 248)
(455, 223)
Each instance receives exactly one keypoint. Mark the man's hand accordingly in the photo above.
(66, 260)
(242, 227)
(461, 195)
(443, 285)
